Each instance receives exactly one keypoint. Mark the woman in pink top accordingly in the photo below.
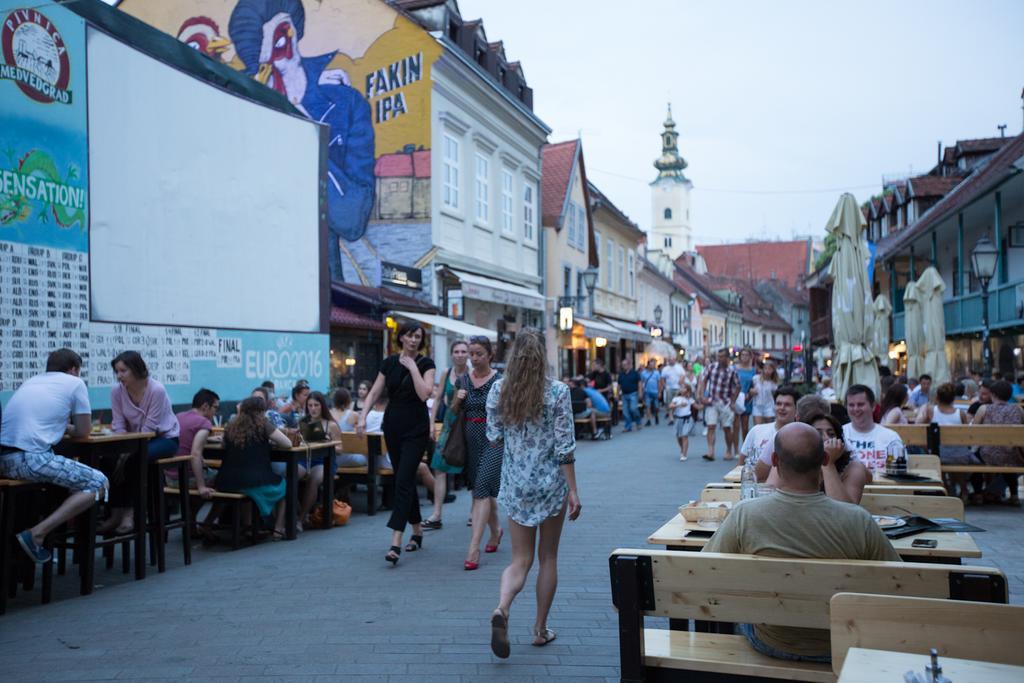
(139, 404)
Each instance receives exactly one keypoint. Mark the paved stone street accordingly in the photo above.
(328, 605)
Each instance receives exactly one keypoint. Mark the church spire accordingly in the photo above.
(670, 164)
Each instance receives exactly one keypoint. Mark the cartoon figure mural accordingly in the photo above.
(203, 34)
(361, 68)
(266, 35)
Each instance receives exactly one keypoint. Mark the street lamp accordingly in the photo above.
(589, 278)
(657, 314)
(983, 262)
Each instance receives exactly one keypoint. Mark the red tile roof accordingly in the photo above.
(421, 163)
(343, 317)
(557, 164)
(980, 145)
(788, 261)
(933, 186)
(393, 166)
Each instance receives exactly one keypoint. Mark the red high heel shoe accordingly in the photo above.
(470, 566)
(494, 548)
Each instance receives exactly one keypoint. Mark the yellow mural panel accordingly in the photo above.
(383, 55)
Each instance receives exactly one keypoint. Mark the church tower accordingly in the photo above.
(670, 230)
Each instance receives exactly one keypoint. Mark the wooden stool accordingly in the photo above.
(159, 521)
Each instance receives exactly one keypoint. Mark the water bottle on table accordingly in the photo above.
(748, 476)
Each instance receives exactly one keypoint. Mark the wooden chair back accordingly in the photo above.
(967, 630)
(353, 443)
(911, 435)
(981, 435)
(925, 506)
(780, 591)
(924, 462)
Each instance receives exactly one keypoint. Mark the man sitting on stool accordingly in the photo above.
(798, 520)
(35, 420)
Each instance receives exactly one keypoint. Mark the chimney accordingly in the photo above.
(939, 152)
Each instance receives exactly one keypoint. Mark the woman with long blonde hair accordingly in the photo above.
(531, 415)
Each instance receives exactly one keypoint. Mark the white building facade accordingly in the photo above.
(670, 231)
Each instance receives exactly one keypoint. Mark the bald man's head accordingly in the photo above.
(799, 448)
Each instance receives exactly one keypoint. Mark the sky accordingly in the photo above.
(780, 106)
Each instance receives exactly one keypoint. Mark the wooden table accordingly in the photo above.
(88, 450)
(907, 488)
(952, 545)
(934, 478)
(292, 457)
(871, 666)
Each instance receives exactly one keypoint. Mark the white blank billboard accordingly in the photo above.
(204, 205)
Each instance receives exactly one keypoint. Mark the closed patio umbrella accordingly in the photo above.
(880, 338)
(912, 329)
(933, 324)
(853, 313)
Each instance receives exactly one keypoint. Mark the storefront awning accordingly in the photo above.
(342, 317)
(596, 328)
(488, 289)
(462, 329)
(629, 331)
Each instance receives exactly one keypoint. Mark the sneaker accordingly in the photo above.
(682, 458)
(38, 553)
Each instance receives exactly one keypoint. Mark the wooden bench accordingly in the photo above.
(235, 503)
(982, 435)
(604, 425)
(903, 489)
(924, 506)
(876, 503)
(371, 446)
(728, 589)
(967, 630)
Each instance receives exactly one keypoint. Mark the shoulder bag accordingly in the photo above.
(454, 451)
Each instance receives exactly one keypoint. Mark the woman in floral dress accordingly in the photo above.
(532, 415)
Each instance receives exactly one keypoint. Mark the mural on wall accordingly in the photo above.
(361, 68)
(44, 239)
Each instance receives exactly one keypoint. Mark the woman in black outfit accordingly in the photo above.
(408, 379)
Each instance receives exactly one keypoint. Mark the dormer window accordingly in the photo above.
(501, 75)
(453, 31)
(668, 214)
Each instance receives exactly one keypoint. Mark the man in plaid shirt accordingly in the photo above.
(719, 386)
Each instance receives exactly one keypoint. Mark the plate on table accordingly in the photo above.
(887, 522)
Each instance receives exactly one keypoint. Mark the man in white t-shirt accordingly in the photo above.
(866, 440)
(35, 420)
(761, 438)
(672, 373)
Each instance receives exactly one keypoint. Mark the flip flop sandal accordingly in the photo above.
(709, 458)
(499, 635)
(546, 634)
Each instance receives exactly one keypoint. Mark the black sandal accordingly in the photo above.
(393, 554)
(414, 544)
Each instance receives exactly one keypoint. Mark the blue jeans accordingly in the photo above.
(630, 409)
(766, 649)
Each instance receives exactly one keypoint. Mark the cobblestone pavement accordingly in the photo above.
(327, 605)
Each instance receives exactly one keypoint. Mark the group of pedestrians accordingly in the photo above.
(519, 446)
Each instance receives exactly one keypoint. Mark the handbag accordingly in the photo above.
(340, 512)
(454, 451)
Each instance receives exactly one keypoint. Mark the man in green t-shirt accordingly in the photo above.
(798, 520)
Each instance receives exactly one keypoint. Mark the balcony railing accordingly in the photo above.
(963, 313)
